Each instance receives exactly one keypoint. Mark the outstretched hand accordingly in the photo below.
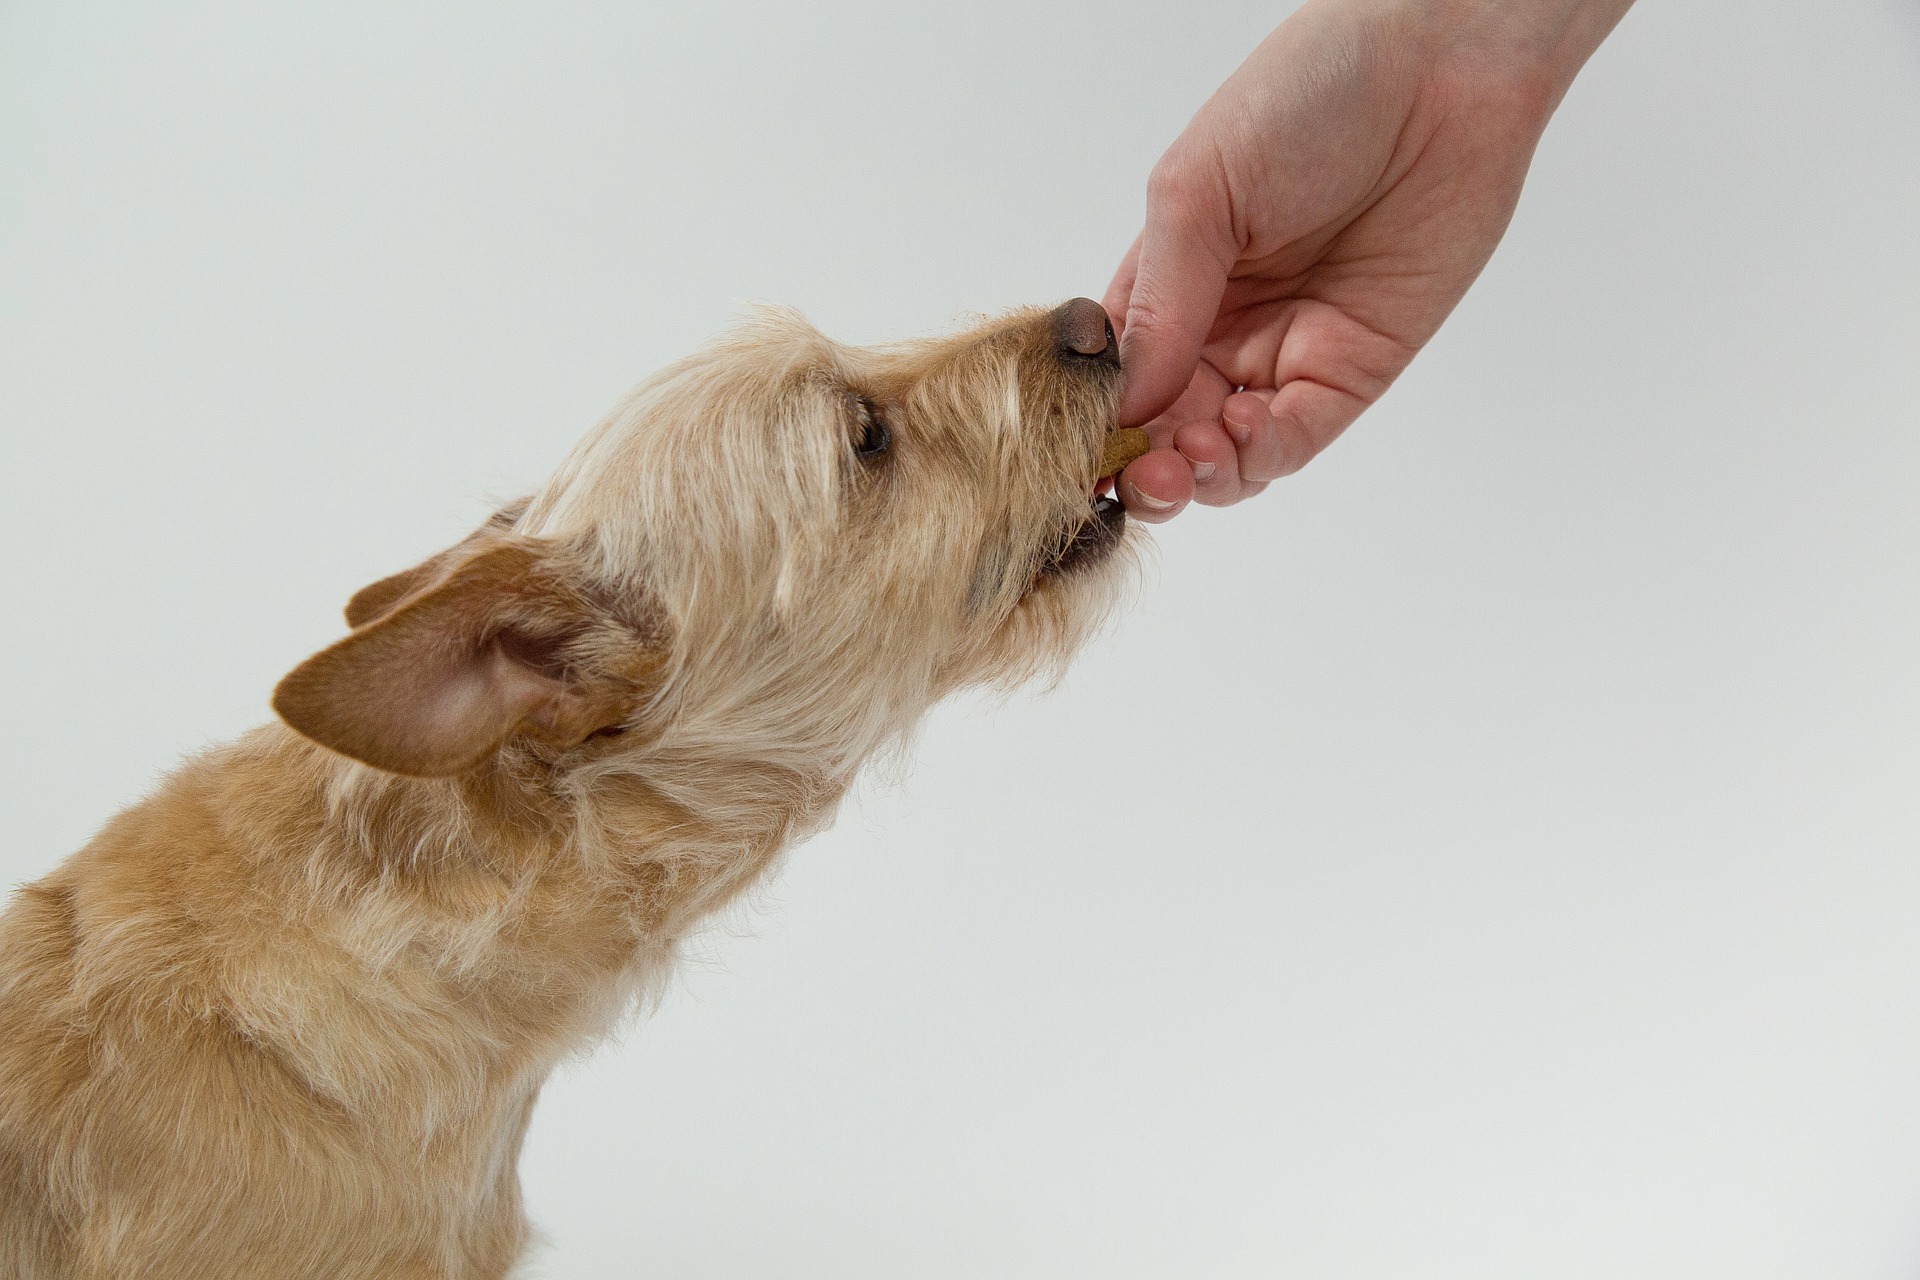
(1317, 221)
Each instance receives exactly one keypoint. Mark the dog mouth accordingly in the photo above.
(1090, 541)
(1096, 535)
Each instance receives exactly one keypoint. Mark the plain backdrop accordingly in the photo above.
(1494, 852)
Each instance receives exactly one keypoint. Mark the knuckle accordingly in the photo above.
(1279, 450)
(1171, 180)
(1184, 186)
(1143, 315)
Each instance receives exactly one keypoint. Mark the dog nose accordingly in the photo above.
(1085, 333)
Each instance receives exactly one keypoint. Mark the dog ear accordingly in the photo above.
(476, 652)
(369, 602)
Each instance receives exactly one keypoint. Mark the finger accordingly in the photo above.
(1180, 275)
(1156, 486)
(1306, 417)
(1263, 451)
(1121, 288)
(1215, 463)
(1160, 433)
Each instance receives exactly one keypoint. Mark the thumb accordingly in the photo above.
(1180, 274)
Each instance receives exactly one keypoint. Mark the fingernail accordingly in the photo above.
(1203, 471)
(1146, 500)
(1240, 431)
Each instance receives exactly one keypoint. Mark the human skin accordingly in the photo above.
(1316, 222)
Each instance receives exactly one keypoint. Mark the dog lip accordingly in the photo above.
(1090, 541)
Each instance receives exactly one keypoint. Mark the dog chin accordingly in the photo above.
(1085, 576)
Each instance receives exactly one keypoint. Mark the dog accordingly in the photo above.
(288, 1016)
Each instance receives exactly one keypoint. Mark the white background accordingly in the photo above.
(1493, 853)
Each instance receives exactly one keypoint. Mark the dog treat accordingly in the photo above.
(1124, 444)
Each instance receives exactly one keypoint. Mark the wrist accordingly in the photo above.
(1537, 43)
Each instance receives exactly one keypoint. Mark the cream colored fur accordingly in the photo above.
(288, 1016)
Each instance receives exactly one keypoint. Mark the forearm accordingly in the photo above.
(1584, 24)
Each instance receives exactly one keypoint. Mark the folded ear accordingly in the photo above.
(369, 602)
(487, 644)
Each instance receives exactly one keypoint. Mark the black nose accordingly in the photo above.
(1084, 332)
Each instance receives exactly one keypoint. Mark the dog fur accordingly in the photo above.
(288, 1016)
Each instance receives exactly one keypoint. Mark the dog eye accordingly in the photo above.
(875, 435)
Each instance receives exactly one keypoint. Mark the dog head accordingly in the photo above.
(780, 547)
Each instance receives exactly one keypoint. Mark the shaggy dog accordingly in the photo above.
(288, 1016)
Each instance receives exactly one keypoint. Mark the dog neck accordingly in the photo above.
(493, 923)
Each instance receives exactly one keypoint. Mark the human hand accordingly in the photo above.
(1317, 221)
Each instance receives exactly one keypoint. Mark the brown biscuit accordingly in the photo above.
(1124, 444)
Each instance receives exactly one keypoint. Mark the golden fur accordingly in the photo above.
(287, 1017)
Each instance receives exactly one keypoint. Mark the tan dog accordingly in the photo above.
(288, 1016)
